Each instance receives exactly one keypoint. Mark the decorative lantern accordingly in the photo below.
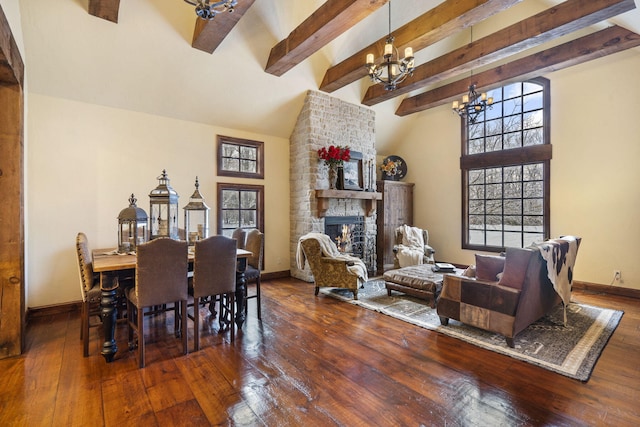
(132, 227)
(196, 217)
(163, 220)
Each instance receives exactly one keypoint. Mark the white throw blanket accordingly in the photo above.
(411, 251)
(560, 256)
(329, 249)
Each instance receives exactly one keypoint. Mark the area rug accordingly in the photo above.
(571, 351)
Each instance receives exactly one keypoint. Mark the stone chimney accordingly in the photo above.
(325, 121)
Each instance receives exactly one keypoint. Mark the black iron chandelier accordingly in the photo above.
(390, 70)
(207, 9)
(472, 104)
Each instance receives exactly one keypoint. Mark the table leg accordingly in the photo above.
(109, 314)
(241, 284)
(109, 305)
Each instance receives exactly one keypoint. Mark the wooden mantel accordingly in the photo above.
(369, 197)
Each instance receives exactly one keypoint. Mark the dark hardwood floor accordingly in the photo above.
(312, 361)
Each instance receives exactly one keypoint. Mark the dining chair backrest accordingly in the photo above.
(241, 237)
(85, 264)
(255, 245)
(214, 266)
(161, 271)
(90, 291)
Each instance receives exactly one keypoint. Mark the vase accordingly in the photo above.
(333, 177)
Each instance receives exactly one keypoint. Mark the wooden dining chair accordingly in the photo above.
(161, 278)
(255, 245)
(90, 290)
(214, 276)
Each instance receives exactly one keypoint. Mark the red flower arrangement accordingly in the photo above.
(335, 155)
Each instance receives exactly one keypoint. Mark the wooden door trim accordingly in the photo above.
(12, 286)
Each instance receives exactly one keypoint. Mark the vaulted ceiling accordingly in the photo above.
(250, 69)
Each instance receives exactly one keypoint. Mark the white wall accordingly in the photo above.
(84, 162)
(594, 172)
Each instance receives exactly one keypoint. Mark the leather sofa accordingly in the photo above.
(508, 293)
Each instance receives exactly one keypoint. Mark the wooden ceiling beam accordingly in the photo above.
(437, 24)
(554, 22)
(208, 35)
(325, 24)
(605, 42)
(105, 9)
(11, 65)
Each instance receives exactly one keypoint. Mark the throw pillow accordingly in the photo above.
(488, 267)
(515, 267)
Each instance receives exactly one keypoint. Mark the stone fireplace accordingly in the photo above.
(325, 121)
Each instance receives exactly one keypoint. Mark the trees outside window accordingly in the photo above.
(240, 206)
(505, 163)
(240, 157)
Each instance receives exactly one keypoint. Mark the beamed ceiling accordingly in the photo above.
(489, 41)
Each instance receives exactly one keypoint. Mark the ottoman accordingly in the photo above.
(416, 280)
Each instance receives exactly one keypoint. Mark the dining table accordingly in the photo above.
(111, 266)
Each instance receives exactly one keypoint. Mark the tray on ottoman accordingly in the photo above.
(417, 280)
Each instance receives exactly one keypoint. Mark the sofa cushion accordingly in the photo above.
(515, 267)
(488, 267)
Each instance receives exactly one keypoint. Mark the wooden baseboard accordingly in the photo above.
(275, 275)
(50, 310)
(606, 289)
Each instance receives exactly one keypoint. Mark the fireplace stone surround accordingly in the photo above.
(325, 121)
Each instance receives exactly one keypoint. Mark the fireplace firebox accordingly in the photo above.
(347, 232)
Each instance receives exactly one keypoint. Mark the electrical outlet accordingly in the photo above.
(617, 276)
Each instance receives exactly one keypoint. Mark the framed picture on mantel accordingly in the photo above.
(352, 175)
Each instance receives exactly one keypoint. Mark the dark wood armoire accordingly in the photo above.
(395, 209)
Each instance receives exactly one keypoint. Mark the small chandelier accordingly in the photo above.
(207, 9)
(391, 70)
(472, 104)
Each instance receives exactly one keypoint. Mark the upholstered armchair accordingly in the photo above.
(509, 293)
(329, 267)
(410, 244)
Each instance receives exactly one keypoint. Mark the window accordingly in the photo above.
(240, 157)
(505, 163)
(240, 206)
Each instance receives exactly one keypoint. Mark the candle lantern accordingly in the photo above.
(132, 227)
(163, 215)
(196, 217)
